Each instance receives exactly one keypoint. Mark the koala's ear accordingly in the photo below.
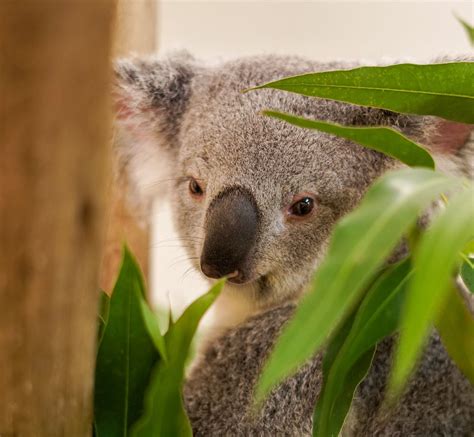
(450, 143)
(445, 137)
(150, 94)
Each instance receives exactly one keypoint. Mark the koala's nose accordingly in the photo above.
(231, 230)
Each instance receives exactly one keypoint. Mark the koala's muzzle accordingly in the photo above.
(231, 229)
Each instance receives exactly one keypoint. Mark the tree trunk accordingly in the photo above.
(54, 170)
(136, 34)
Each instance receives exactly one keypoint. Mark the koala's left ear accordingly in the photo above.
(150, 96)
(450, 143)
(445, 137)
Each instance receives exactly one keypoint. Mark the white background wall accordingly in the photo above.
(367, 30)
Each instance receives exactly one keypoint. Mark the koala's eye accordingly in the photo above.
(195, 189)
(302, 207)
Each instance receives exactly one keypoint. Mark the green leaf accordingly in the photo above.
(164, 409)
(376, 318)
(469, 30)
(382, 139)
(435, 260)
(335, 344)
(151, 322)
(360, 244)
(455, 325)
(468, 249)
(467, 274)
(126, 356)
(104, 306)
(330, 355)
(339, 411)
(444, 90)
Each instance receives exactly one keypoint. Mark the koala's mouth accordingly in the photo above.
(241, 278)
(259, 283)
(236, 278)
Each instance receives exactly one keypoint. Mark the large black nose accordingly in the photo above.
(231, 229)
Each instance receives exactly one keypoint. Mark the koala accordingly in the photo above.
(255, 199)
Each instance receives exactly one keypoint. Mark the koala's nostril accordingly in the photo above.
(217, 272)
(211, 271)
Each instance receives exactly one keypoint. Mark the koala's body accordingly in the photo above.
(255, 199)
(218, 395)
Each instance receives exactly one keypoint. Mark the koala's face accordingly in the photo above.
(253, 198)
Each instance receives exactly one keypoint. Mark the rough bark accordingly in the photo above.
(54, 170)
(136, 34)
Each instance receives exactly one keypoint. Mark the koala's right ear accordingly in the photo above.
(150, 96)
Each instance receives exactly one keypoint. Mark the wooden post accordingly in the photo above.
(136, 34)
(54, 170)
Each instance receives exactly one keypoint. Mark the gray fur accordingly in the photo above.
(218, 395)
(179, 118)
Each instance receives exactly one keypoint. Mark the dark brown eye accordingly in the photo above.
(194, 188)
(302, 207)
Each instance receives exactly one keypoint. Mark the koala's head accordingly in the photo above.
(253, 198)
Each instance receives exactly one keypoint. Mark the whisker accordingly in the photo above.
(161, 181)
(189, 270)
(181, 260)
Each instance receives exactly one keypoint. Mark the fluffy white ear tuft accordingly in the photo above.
(150, 95)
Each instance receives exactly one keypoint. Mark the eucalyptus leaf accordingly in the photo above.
(104, 306)
(164, 410)
(468, 249)
(467, 273)
(126, 356)
(469, 30)
(330, 355)
(376, 318)
(152, 324)
(340, 410)
(359, 245)
(455, 325)
(382, 139)
(435, 260)
(445, 90)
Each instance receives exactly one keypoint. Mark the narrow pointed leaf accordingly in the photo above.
(376, 318)
(435, 261)
(455, 325)
(332, 426)
(382, 139)
(467, 273)
(330, 355)
(469, 30)
(444, 90)
(164, 412)
(126, 356)
(151, 322)
(468, 249)
(360, 243)
(104, 306)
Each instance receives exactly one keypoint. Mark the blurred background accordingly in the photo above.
(364, 30)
